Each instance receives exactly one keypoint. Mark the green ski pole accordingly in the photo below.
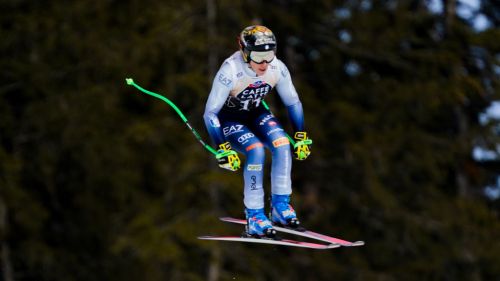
(292, 141)
(131, 82)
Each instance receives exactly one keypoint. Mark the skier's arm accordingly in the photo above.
(290, 98)
(221, 87)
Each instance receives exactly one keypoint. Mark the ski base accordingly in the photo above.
(282, 242)
(303, 233)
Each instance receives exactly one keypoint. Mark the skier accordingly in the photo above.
(236, 118)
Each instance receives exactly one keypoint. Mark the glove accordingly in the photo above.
(228, 158)
(302, 147)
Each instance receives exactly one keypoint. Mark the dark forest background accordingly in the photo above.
(101, 182)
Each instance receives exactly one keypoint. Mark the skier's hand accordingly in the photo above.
(228, 158)
(302, 147)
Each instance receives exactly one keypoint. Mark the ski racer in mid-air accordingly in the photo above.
(236, 118)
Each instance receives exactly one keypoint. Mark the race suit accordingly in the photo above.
(234, 113)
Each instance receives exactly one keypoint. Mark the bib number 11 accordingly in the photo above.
(250, 102)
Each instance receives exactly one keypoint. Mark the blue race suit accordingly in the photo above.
(234, 113)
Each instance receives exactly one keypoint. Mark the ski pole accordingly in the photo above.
(288, 136)
(131, 82)
(301, 154)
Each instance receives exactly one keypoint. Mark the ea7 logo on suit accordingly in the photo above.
(232, 129)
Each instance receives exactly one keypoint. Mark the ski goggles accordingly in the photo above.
(261, 57)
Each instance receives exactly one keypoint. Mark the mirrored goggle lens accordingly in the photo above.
(260, 57)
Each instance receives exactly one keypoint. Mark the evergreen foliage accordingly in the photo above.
(100, 182)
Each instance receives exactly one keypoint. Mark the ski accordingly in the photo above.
(305, 233)
(282, 242)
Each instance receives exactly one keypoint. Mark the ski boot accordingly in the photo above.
(282, 213)
(258, 225)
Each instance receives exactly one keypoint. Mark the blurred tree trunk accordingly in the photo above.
(216, 254)
(450, 7)
(212, 54)
(5, 251)
(460, 176)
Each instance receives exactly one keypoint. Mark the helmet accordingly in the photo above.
(257, 38)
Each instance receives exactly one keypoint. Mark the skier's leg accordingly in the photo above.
(244, 141)
(270, 131)
(273, 135)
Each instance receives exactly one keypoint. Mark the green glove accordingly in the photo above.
(302, 147)
(228, 159)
